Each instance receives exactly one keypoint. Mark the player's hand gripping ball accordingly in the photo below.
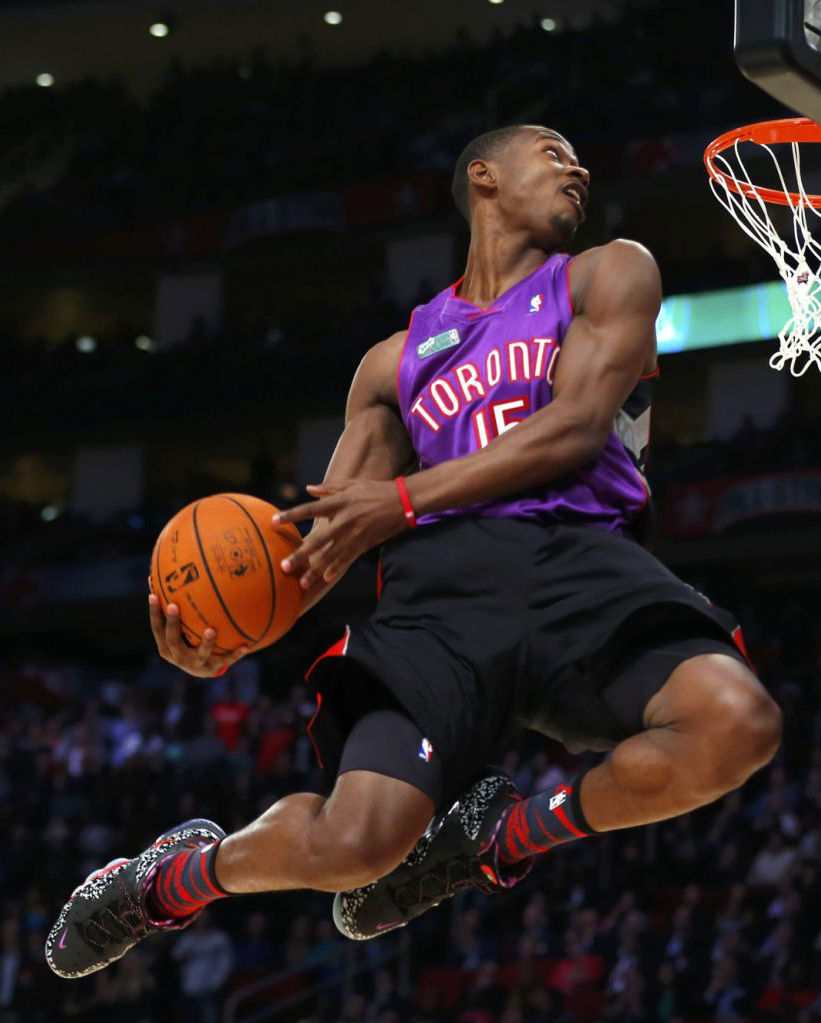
(218, 560)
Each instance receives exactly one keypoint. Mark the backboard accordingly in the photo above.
(777, 45)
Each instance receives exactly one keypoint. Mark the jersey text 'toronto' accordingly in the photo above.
(455, 390)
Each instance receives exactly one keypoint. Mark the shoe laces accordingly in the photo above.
(121, 919)
(443, 882)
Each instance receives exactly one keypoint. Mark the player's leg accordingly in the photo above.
(362, 830)
(358, 834)
(710, 725)
(703, 724)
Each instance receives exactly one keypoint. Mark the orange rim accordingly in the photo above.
(790, 129)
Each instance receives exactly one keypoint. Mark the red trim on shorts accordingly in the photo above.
(339, 649)
(649, 376)
(317, 754)
(378, 578)
(741, 646)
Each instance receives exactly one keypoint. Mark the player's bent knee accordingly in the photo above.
(744, 735)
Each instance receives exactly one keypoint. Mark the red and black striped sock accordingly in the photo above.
(545, 820)
(185, 883)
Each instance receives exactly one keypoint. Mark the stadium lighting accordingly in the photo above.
(45, 80)
(85, 343)
(496, 1)
(332, 17)
(49, 513)
(159, 29)
(144, 343)
(548, 24)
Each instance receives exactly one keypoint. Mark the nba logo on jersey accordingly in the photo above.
(425, 751)
(536, 303)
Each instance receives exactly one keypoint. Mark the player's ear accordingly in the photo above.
(482, 174)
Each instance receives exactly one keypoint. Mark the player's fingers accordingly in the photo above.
(206, 645)
(338, 565)
(157, 619)
(220, 663)
(316, 563)
(313, 510)
(173, 632)
(324, 489)
(311, 548)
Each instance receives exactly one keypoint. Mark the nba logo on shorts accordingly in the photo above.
(425, 751)
(536, 303)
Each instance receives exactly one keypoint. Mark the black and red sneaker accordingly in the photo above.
(106, 915)
(457, 851)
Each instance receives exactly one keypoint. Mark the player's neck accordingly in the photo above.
(496, 261)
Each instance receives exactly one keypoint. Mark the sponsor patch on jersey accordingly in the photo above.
(449, 339)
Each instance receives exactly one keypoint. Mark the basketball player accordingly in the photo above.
(515, 595)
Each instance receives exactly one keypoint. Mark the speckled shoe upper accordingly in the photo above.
(106, 915)
(457, 851)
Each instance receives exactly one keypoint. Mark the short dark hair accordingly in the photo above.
(483, 147)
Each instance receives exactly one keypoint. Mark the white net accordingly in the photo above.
(798, 259)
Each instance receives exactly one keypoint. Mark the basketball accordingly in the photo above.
(219, 559)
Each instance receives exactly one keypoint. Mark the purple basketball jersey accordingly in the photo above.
(467, 374)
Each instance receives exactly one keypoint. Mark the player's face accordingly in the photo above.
(541, 187)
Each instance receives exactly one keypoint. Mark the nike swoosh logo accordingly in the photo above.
(62, 942)
(385, 927)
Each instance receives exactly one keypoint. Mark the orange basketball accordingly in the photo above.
(219, 560)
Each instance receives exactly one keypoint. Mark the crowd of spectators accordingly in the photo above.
(236, 131)
(711, 916)
(88, 157)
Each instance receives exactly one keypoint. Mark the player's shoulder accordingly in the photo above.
(620, 252)
(387, 353)
(378, 368)
(621, 259)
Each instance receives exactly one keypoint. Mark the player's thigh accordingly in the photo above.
(712, 690)
(386, 790)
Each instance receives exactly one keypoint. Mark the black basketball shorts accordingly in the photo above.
(488, 626)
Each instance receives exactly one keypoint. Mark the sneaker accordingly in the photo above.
(457, 851)
(106, 915)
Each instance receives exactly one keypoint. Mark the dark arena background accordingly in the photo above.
(209, 211)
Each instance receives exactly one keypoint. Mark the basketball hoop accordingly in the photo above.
(799, 265)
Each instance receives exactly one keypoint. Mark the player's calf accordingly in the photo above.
(362, 831)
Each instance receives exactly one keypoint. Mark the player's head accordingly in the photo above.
(525, 171)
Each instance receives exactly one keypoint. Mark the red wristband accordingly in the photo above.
(404, 497)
